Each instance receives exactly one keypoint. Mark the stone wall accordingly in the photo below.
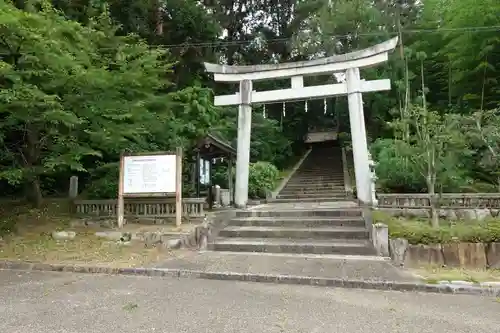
(472, 206)
(206, 232)
(464, 255)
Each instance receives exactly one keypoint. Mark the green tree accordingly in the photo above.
(484, 131)
(434, 148)
(70, 93)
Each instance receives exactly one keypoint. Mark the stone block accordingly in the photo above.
(494, 212)
(472, 255)
(173, 243)
(482, 214)
(451, 255)
(111, 235)
(63, 235)
(418, 255)
(225, 197)
(380, 237)
(493, 255)
(397, 249)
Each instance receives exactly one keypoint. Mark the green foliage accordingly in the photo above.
(7, 226)
(484, 134)
(262, 178)
(418, 231)
(267, 141)
(395, 172)
(82, 84)
(432, 151)
(71, 94)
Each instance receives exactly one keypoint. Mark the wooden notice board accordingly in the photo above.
(157, 174)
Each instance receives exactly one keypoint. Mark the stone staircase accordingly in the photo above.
(319, 178)
(311, 215)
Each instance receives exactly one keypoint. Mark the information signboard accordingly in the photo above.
(149, 174)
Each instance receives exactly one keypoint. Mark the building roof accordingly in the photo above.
(213, 145)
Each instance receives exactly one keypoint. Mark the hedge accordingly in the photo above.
(419, 231)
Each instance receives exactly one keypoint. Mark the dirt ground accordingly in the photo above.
(32, 240)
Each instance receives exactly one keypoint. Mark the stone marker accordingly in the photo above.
(381, 239)
(397, 248)
(73, 187)
(63, 235)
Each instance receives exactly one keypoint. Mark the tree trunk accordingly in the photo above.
(33, 192)
(31, 154)
(433, 202)
(37, 197)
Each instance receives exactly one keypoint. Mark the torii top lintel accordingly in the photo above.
(357, 59)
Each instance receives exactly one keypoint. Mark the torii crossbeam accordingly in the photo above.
(353, 87)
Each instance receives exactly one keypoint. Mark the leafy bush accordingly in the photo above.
(7, 226)
(262, 178)
(418, 231)
(393, 170)
(398, 172)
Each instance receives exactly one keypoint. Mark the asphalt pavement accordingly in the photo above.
(39, 302)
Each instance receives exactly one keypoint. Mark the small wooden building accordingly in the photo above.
(209, 148)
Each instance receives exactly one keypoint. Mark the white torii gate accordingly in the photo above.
(353, 87)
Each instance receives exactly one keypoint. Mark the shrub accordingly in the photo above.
(262, 178)
(393, 170)
(7, 226)
(418, 231)
(103, 188)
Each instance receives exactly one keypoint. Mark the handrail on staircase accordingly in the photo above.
(285, 180)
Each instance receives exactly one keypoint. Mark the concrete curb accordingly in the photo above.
(492, 291)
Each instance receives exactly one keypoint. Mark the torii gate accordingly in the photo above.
(353, 87)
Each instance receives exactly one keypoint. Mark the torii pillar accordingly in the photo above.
(243, 145)
(354, 86)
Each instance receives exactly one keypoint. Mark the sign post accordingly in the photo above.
(178, 187)
(150, 175)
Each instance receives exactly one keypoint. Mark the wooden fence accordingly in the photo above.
(445, 200)
(141, 207)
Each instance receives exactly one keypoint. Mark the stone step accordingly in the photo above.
(281, 245)
(310, 195)
(313, 186)
(329, 212)
(301, 221)
(306, 191)
(281, 267)
(316, 176)
(315, 180)
(322, 169)
(306, 199)
(295, 233)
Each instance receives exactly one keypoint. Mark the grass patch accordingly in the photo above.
(433, 275)
(31, 240)
(419, 230)
(85, 248)
(130, 306)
